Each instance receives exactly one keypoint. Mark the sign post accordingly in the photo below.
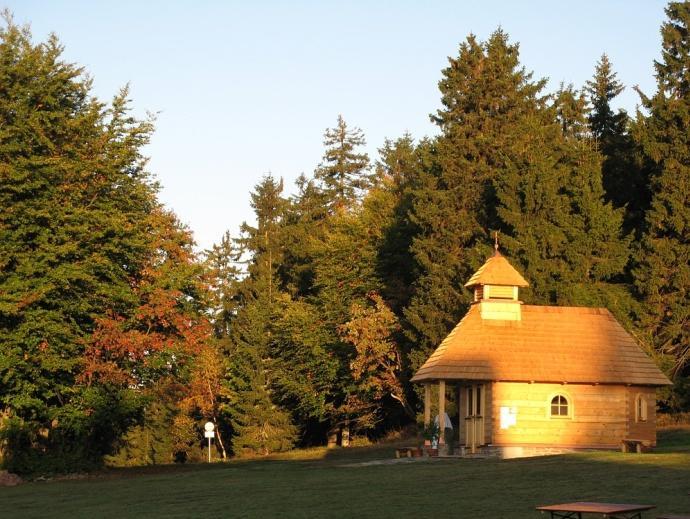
(208, 433)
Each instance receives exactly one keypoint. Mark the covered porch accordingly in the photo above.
(468, 404)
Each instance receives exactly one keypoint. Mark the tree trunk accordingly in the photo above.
(406, 407)
(333, 438)
(223, 454)
(345, 435)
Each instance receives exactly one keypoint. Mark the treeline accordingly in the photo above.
(118, 343)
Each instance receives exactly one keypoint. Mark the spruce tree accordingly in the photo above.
(333, 261)
(344, 171)
(306, 219)
(397, 173)
(508, 160)
(259, 425)
(551, 208)
(662, 274)
(603, 88)
(221, 263)
(344, 265)
(484, 91)
(622, 173)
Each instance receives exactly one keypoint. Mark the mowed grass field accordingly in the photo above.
(366, 482)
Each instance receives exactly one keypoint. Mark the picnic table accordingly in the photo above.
(609, 510)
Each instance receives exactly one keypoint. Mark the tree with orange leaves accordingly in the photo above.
(80, 254)
(162, 349)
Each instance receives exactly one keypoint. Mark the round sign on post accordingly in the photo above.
(208, 433)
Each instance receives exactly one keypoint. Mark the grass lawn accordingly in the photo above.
(348, 483)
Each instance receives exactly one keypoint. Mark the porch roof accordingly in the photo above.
(549, 344)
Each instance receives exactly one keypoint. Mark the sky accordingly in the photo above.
(242, 89)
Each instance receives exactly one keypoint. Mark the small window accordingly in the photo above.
(559, 406)
(640, 409)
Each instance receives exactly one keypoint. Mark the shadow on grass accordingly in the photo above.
(323, 483)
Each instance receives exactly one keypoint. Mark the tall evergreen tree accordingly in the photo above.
(484, 91)
(332, 264)
(260, 426)
(623, 178)
(344, 172)
(551, 209)
(398, 171)
(221, 263)
(306, 220)
(508, 160)
(344, 265)
(662, 275)
(570, 112)
(603, 88)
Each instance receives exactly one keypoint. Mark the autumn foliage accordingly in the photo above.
(118, 340)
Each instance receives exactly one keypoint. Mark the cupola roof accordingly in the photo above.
(497, 271)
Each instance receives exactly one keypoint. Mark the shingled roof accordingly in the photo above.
(497, 271)
(549, 344)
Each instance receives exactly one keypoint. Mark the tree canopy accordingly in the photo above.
(662, 271)
(119, 339)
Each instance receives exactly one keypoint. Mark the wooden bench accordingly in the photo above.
(633, 445)
(408, 452)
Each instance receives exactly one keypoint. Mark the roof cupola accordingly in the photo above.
(496, 286)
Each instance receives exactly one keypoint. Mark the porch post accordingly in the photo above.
(441, 412)
(427, 408)
(461, 413)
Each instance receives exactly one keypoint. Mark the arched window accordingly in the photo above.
(559, 406)
(640, 409)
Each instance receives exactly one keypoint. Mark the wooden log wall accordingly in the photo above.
(642, 429)
(599, 415)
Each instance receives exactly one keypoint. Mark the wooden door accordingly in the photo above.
(474, 416)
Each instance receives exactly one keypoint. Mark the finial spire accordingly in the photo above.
(496, 243)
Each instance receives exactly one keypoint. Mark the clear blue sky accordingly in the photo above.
(245, 88)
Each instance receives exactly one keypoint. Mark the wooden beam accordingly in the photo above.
(427, 408)
(441, 412)
(461, 409)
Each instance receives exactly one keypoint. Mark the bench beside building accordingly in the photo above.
(540, 379)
